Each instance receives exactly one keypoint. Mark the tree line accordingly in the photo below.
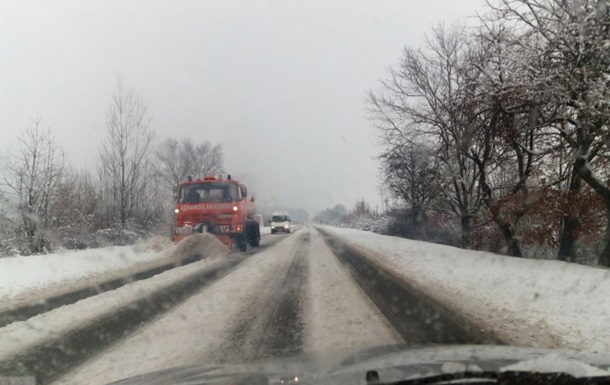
(46, 203)
(501, 130)
(360, 216)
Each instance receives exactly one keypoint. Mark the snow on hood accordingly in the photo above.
(394, 363)
(555, 362)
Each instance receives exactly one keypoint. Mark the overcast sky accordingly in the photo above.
(280, 84)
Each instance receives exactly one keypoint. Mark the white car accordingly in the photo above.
(280, 222)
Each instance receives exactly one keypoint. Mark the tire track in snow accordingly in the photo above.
(61, 354)
(416, 317)
(27, 311)
(277, 327)
(56, 356)
(202, 329)
(340, 314)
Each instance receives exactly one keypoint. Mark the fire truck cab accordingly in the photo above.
(217, 206)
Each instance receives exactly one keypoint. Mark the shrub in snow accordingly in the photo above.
(434, 227)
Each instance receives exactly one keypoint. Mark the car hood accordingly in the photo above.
(392, 363)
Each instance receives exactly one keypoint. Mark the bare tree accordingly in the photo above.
(420, 103)
(333, 215)
(30, 176)
(361, 209)
(126, 168)
(178, 159)
(568, 60)
(517, 114)
(412, 176)
(508, 135)
(7, 231)
(76, 209)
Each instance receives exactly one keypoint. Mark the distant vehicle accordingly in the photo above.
(280, 222)
(217, 206)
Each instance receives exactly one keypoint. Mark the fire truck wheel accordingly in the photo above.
(254, 234)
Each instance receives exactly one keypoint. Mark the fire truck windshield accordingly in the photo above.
(208, 192)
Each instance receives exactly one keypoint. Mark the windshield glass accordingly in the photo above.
(208, 192)
(210, 182)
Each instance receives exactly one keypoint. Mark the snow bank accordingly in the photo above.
(29, 279)
(203, 245)
(20, 336)
(524, 302)
(33, 278)
(18, 274)
(265, 230)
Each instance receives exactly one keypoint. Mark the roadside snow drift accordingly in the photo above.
(20, 336)
(25, 280)
(523, 301)
(203, 245)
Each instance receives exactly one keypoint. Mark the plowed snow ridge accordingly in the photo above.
(29, 279)
(523, 301)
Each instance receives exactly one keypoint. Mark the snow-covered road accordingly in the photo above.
(321, 289)
(291, 298)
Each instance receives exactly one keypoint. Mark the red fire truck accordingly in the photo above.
(217, 206)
